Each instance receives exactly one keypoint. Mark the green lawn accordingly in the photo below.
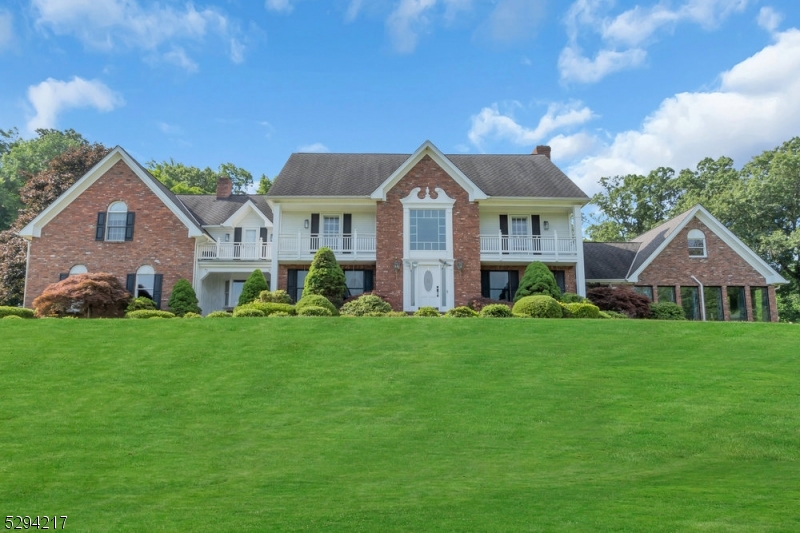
(379, 424)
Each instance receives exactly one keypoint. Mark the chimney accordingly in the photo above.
(542, 150)
(224, 187)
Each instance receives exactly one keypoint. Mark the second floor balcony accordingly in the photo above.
(347, 247)
(528, 248)
(235, 251)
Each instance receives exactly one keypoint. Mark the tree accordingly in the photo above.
(92, 295)
(620, 299)
(252, 287)
(326, 278)
(538, 279)
(182, 179)
(183, 298)
(264, 184)
(38, 193)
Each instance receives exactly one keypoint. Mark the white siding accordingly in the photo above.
(490, 222)
(292, 222)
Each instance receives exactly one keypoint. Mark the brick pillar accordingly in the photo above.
(773, 303)
(726, 311)
(748, 302)
(678, 299)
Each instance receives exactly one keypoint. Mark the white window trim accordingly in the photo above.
(108, 221)
(689, 238)
(145, 270)
(528, 225)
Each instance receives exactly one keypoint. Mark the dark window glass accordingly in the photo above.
(301, 281)
(666, 294)
(647, 291)
(760, 299)
(499, 285)
(712, 297)
(737, 306)
(354, 279)
(690, 301)
(561, 280)
(236, 291)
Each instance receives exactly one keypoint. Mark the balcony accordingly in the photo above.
(235, 251)
(346, 247)
(508, 248)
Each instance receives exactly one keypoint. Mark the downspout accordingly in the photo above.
(27, 269)
(702, 300)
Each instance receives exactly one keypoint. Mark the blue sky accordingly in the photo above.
(613, 86)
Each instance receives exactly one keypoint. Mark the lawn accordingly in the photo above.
(392, 424)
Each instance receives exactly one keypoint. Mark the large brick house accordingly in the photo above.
(421, 229)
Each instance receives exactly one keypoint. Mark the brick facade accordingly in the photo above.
(722, 267)
(160, 239)
(570, 278)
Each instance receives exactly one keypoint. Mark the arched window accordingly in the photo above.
(117, 221)
(145, 282)
(697, 243)
(78, 269)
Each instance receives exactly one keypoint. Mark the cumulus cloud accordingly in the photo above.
(316, 148)
(754, 108)
(108, 24)
(51, 97)
(6, 29)
(769, 19)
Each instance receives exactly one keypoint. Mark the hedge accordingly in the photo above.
(497, 311)
(247, 312)
(149, 313)
(267, 308)
(219, 314)
(581, 310)
(365, 304)
(316, 300)
(667, 311)
(538, 306)
(276, 297)
(461, 312)
(314, 310)
(427, 311)
(15, 311)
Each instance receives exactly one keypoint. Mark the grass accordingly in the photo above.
(378, 424)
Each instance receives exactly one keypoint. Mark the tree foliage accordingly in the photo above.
(91, 295)
(538, 279)
(253, 287)
(264, 185)
(183, 179)
(326, 278)
(183, 298)
(620, 299)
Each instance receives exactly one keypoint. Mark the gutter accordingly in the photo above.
(702, 300)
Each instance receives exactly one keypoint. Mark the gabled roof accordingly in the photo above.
(609, 261)
(650, 241)
(211, 211)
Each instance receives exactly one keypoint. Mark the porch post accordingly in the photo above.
(580, 272)
(276, 240)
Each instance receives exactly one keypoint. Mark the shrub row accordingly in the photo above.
(15, 311)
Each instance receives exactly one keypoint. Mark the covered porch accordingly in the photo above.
(218, 287)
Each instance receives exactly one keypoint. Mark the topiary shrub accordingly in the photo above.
(537, 280)
(326, 278)
(667, 311)
(247, 312)
(461, 312)
(497, 311)
(149, 313)
(253, 287)
(183, 298)
(268, 308)
(427, 311)
(538, 306)
(314, 310)
(572, 298)
(276, 297)
(142, 303)
(93, 295)
(581, 310)
(13, 317)
(192, 315)
(620, 299)
(317, 301)
(219, 314)
(364, 304)
(15, 311)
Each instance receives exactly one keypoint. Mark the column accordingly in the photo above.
(580, 271)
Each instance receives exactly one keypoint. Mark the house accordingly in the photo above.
(692, 260)
(421, 229)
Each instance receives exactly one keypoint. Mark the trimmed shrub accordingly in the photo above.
(192, 315)
(183, 298)
(537, 280)
(149, 313)
(326, 278)
(275, 297)
(538, 306)
(461, 312)
(581, 310)
(667, 311)
(566, 312)
(92, 295)
(365, 304)
(253, 287)
(13, 317)
(572, 298)
(142, 303)
(620, 299)
(371, 313)
(616, 316)
(603, 314)
(427, 311)
(397, 314)
(15, 311)
(279, 313)
(496, 311)
(316, 300)
(219, 314)
(247, 312)
(314, 310)
(268, 308)
(478, 304)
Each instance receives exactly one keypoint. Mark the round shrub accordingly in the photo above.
(268, 308)
(219, 314)
(142, 303)
(566, 312)
(316, 300)
(314, 310)
(183, 298)
(496, 311)
(12, 317)
(279, 313)
(192, 315)
(15, 311)
(244, 311)
(275, 297)
(461, 312)
(365, 304)
(538, 306)
(149, 313)
(581, 310)
(427, 311)
(572, 298)
(667, 311)
(538, 279)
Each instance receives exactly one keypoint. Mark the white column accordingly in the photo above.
(276, 241)
(580, 271)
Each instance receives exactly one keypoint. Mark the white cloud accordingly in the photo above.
(574, 66)
(51, 97)
(411, 18)
(237, 51)
(515, 20)
(177, 56)
(108, 24)
(754, 108)
(282, 6)
(316, 148)
(170, 129)
(491, 124)
(769, 19)
(569, 147)
(6, 28)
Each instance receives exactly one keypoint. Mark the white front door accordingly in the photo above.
(429, 285)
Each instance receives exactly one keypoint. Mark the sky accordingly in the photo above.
(615, 87)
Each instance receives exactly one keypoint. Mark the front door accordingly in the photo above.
(429, 286)
(250, 244)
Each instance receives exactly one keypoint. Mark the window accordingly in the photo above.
(427, 229)
(666, 294)
(296, 282)
(737, 307)
(690, 300)
(330, 232)
(78, 269)
(647, 291)
(358, 281)
(499, 284)
(145, 282)
(519, 241)
(697, 243)
(712, 297)
(759, 296)
(117, 220)
(234, 293)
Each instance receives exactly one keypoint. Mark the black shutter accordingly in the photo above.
(291, 285)
(347, 229)
(485, 289)
(560, 280)
(504, 233)
(237, 239)
(63, 276)
(130, 284)
(369, 280)
(536, 229)
(158, 281)
(100, 232)
(314, 231)
(263, 234)
(513, 283)
(129, 226)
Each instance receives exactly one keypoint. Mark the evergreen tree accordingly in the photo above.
(183, 299)
(538, 280)
(252, 287)
(325, 277)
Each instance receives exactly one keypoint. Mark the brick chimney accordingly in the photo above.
(224, 187)
(542, 150)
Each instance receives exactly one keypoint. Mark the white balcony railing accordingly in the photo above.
(513, 247)
(348, 246)
(236, 251)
